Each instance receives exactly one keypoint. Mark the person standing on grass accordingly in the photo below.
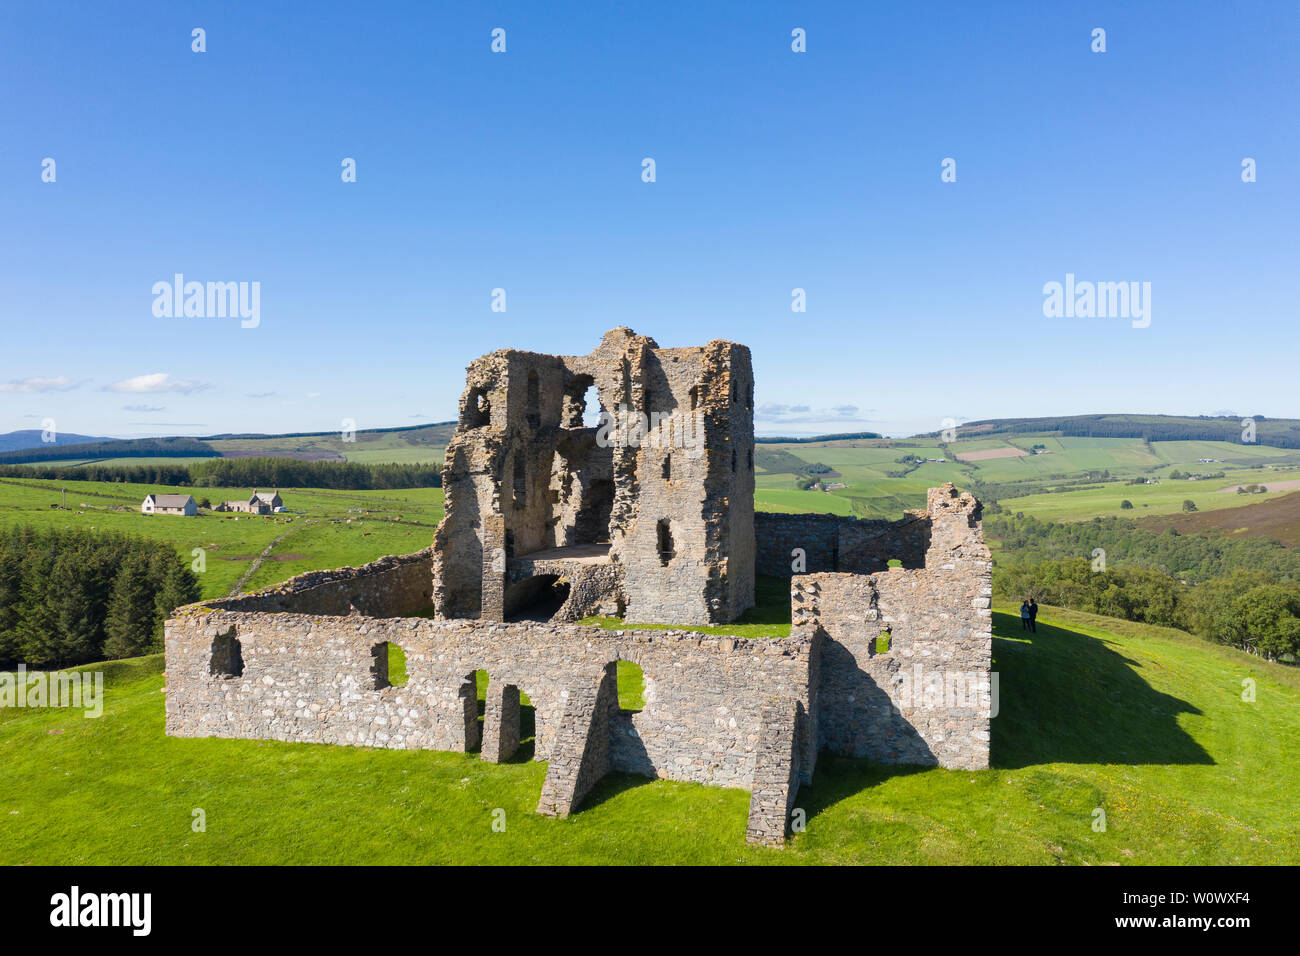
(1033, 616)
(1024, 615)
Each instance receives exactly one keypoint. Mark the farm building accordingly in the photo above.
(258, 503)
(169, 505)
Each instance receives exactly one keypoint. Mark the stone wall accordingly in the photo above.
(393, 586)
(922, 697)
(838, 542)
(320, 679)
(523, 473)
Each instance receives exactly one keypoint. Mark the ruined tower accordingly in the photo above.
(616, 482)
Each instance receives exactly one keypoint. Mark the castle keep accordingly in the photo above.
(649, 513)
(617, 483)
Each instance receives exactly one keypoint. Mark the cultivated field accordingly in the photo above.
(1052, 484)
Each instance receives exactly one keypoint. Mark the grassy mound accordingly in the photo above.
(1145, 724)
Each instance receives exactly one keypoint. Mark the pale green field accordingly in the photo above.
(408, 455)
(425, 444)
(1165, 498)
(862, 466)
(792, 501)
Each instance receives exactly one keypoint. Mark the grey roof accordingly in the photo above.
(171, 501)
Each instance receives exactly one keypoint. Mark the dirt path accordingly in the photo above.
(266, 553)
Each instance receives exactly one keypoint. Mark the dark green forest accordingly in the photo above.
(246, 473)
(72, 597)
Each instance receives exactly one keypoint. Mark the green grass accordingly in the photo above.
(1144, 723)
(769, 617)
(409, 446)
(328, 529)
(863, 466)
(1164, 498)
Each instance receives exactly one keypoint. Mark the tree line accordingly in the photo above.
(1247, 609)
(113, 448)
(71, 597)
(246, 473)
(1279, 433)
(1191, 557)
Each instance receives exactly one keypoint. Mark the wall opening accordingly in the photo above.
(536, 598)
(883, 641)
(631, 686)
(520, 480)
(227, 656)
(481, 679)
(733, 461)
(387, 666)
(665, 542)
(591, 526)
(478, 411)
(533, 409)
(581, 403)
(667, 470)
(695, 397)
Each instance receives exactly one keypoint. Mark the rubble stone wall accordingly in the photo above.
(315, 679)
(393, 586)
(838, 543)
(922, 696)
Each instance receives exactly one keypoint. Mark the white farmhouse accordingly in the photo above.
(169, 505)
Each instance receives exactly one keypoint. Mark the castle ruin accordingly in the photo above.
(617, 483)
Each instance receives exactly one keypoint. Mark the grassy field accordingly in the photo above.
(1165, 498)
(327, 529)
(863, 466)
(407, 446)
(1145, 724)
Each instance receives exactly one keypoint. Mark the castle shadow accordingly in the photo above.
(611, 785)
(1066, 697)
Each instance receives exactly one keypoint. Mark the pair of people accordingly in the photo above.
(1029, 616)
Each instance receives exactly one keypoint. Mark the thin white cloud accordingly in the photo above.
(60, 383)
(805, 414)
(155, 382)
(144, 408)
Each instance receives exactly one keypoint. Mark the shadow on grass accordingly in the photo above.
(1066, 697)
(838, 778)
(610, 786)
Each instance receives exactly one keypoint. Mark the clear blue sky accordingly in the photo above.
(522, 171)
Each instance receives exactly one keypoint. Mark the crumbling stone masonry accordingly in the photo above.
(547, 521)
(662, 506)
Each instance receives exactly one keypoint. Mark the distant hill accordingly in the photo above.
(31, 438)
(1277, 432)
(407, 444)
(113, 448)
